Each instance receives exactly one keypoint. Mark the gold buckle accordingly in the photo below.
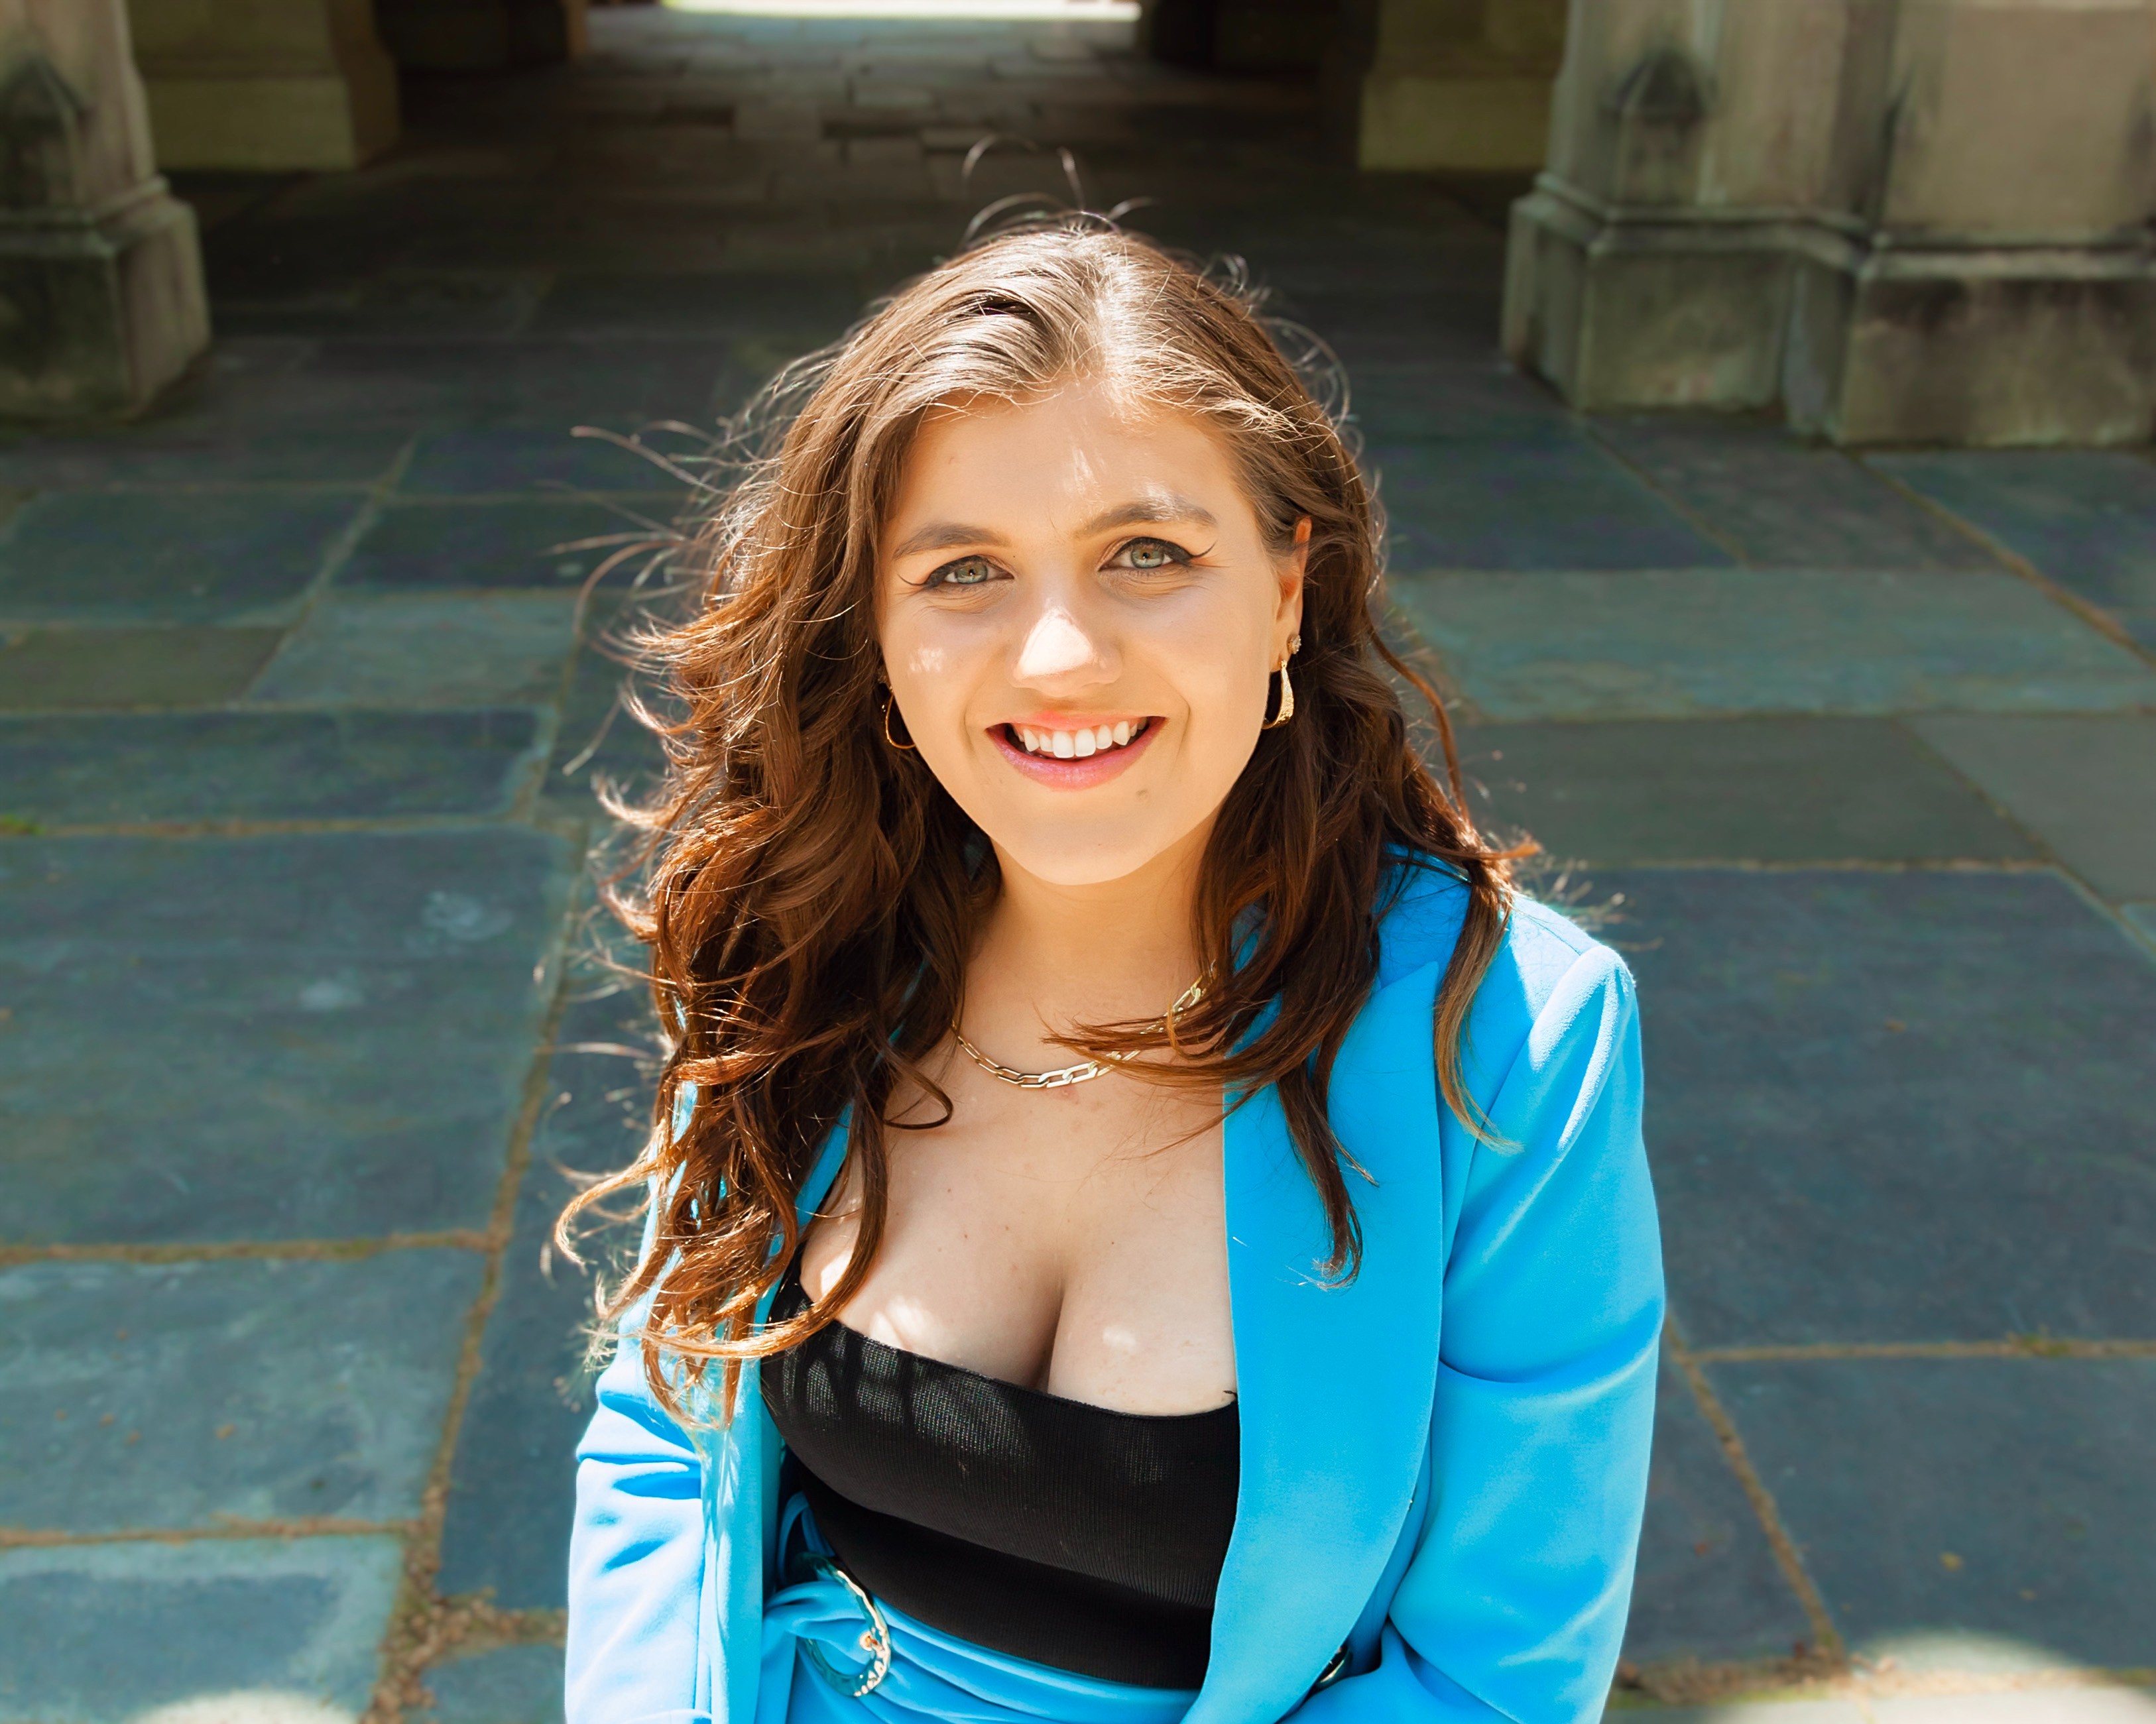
(876, 1638)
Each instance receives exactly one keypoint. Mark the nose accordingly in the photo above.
(1060, 651)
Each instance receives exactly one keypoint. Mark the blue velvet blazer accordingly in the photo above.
(1444, 1461)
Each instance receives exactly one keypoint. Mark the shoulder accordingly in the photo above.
(1549, 979)
(1419, 920)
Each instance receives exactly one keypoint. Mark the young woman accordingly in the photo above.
(1146, 1225)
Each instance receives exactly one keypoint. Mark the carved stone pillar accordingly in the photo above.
(1434, 84)
(1897, 220)
(101, 301)
(266, 84)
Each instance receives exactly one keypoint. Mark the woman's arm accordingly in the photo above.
(1515, 1604)
(636, 1559)
(637, 1551)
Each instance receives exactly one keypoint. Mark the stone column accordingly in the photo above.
(1438, 85)
(101, 301)
(1895, 220)
(266, 84)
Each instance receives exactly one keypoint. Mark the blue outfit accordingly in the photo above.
(1444, 1462)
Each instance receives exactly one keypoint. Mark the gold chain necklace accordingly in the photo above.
(1066, 1076)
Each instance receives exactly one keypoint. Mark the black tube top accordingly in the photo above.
(1072, 1535)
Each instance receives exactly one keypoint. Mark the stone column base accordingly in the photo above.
(1856, 337)
(1977, 346)
(100, 310)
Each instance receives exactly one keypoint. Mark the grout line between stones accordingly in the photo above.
(1826, 1636)
(257, 1250)
(422, 1625)
(1828, 864)
(1693, 518)
(2098, 619)
(2009, 1347)
(227, 1527)
(182, 830)
(338, 555)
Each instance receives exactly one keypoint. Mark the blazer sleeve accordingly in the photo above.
(1514, 1604)
(636, 1556)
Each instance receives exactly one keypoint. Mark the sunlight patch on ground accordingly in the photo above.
(1076, 11)
(255, 1707)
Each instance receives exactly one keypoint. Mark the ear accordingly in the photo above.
(1289, 619)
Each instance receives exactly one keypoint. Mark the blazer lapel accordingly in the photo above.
(1334, 1384)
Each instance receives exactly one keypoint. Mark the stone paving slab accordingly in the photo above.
(183, 1395)
(1551, 501)
(432, 649)
(1976, 1515)
(1891, 1106)
(183, 451)
(550, 385)
(598, 741)
(800, 309)
(1749, 789)
(511, 1487)
(542, 543)
(399, 301)
(1432, 403)
(177, 556)
(1455, 321)
(328, 1036)
(2085, 517)
(1782, 503)
(2086, 785)
(1675, 644)
(51, 670)
(103, 1634)
(141, 768)
(480, 459)
(511, 1685)
(1707, 1585)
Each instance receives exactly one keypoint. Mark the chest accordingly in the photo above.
(1070, 1240)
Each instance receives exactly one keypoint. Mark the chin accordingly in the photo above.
(1074, 859)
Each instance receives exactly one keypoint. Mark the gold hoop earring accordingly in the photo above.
(889, 701)
(1287, 691)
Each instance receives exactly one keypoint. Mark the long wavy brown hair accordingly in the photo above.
(810, 896)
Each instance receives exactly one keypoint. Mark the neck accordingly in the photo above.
(1053, 956)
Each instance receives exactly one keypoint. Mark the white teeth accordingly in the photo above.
(1080, 744)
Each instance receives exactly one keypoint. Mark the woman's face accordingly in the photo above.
(1079, 617)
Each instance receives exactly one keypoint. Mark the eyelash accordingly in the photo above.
(1177, 557)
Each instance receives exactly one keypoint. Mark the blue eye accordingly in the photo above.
(966, 572)
(1151, 554)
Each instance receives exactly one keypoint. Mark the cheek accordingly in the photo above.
(1216, 658)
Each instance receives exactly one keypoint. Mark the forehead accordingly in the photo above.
(1079, 443)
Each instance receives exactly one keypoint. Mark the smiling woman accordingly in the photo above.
(1145, 1222)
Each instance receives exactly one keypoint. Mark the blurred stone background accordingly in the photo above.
(1760, 392)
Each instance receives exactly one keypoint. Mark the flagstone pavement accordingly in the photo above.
(302, 699)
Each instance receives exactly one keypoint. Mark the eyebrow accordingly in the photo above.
(949, 535)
